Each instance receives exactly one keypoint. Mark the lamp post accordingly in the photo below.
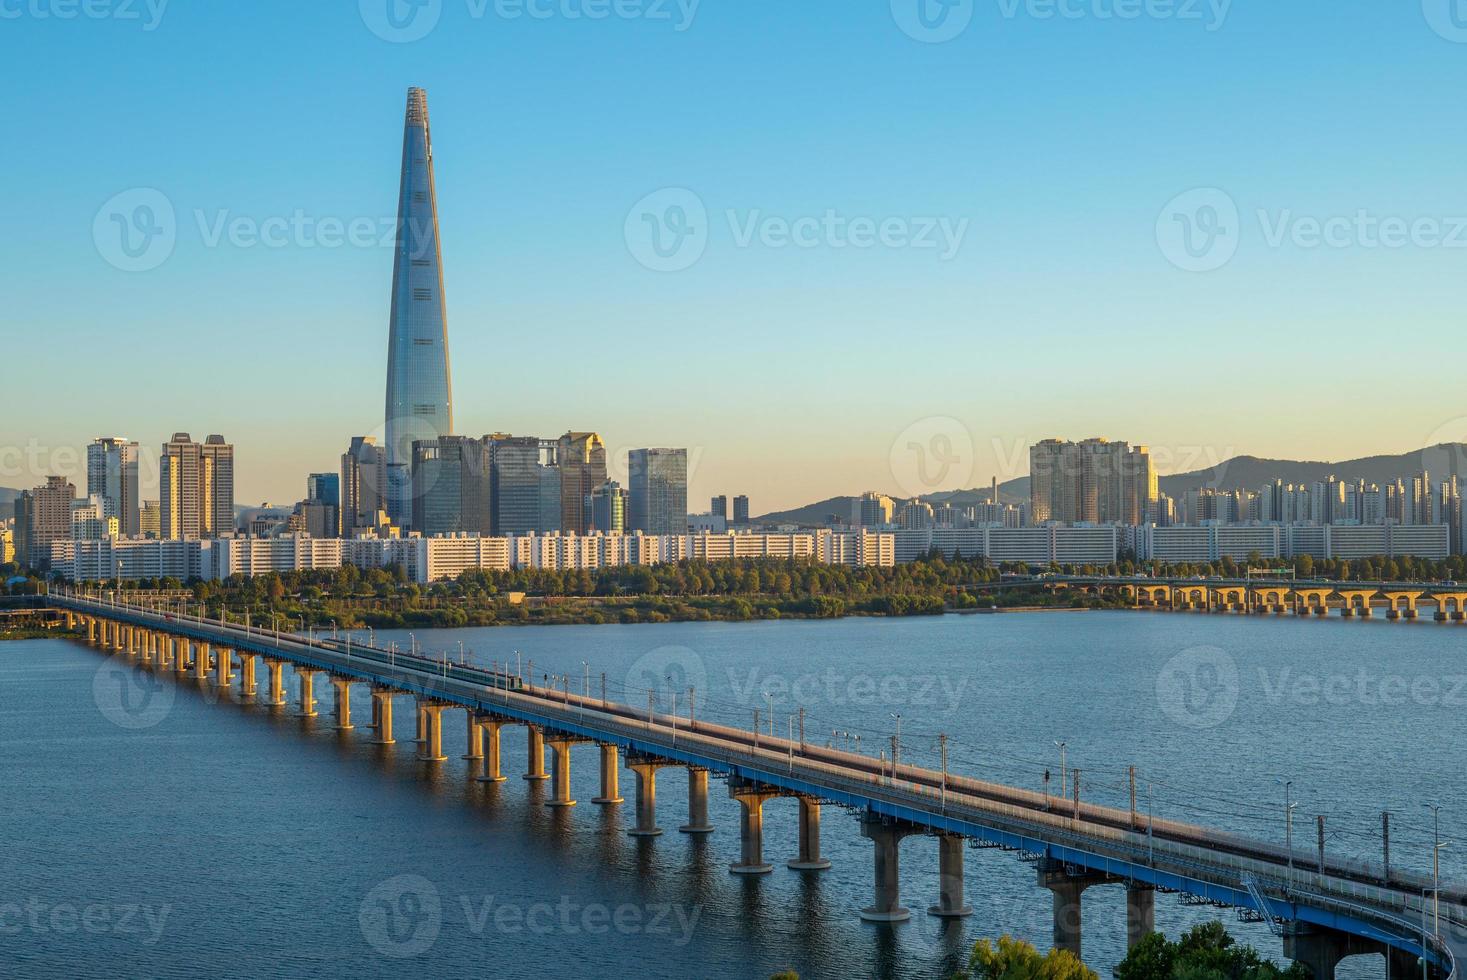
(1288, 785)
(1064, 771)
(1436, 850)
(896, 745)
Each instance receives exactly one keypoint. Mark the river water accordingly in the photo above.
(152, 829)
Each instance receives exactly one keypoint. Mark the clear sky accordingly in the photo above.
(1073, 162)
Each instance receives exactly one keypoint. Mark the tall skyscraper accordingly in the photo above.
(741, 511)
(582, 461)
(659, 491)
(112, 475)
(609, 508)
(719, 507)
(419, 389)
(524, 484)
(324, 488)
(363, 486)
(196, 488)
(46, 512)
(451, 486)
(1090, 482)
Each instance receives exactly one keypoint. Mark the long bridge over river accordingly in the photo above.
(1323, 909)
(1400, 601)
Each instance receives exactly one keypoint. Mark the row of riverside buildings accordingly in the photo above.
(433, 559)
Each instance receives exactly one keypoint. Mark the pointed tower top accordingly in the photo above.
(417, 107)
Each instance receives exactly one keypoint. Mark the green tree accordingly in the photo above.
(1205, 952)
(1014, 959)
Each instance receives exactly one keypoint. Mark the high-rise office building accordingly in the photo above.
(150, 520)
(419, 388)
(658, 491)
(196, 488)
(719, 507)
(609, 508)
(363, 486)
(112, 475)
(524, 485)
(581, 458)
(741, 511)
(47, 517)
(324, 488)
(1090, 482)
(451, 486)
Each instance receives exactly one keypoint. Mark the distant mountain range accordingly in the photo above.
(1240, 472)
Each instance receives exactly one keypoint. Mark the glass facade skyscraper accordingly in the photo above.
(659, 491)
(419, 390)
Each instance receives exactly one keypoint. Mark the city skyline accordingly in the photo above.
(537, 246)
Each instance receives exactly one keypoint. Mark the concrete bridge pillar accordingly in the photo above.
(91, 630)
(223, 668)
(1402, 964)
(432, 749)
(248, 665)
(306, 676)
(950, 904)
(165, 652)
(560, 749)
(1067, 890)
(535, 768)
(277, 682)
(809, 858)
(422, 715)
(201, 662)
(343, 703)
(130, 642)
(474, 741)
(1140, 912)
(886, 837)
(489, 729)
(697, 803)
(382, 709)
(751, 828)
(610, 763)
(646, 799)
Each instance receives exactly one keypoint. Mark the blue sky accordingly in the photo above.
(1058, 145)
